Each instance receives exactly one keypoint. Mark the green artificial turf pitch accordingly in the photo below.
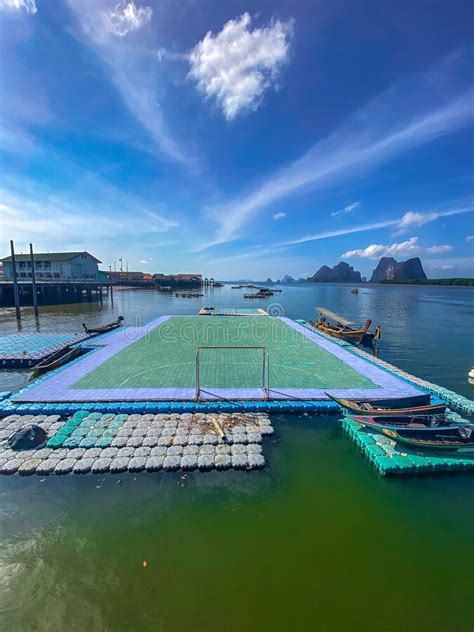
(166, 357)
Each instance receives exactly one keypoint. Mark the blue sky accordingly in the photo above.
(239, 139)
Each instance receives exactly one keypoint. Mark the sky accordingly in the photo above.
(239, 139)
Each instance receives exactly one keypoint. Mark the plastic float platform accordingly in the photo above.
(25, 350)
(392, 459)
(157, 363)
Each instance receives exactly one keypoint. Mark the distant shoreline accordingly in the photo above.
(460, 281)
(454, 282)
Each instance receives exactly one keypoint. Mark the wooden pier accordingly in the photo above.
(53, 292)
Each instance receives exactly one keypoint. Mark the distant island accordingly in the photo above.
(388, 270)
(340, 273)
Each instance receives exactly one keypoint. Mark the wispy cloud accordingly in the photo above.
(438, 250)
(415, 220)
(459, 266)
(98, 220)
(28, 6)
(326, 234)
(349, 230)
(279, 215)
(347, 209)
(407, 115)
(407, 248)
(469, 239)
(129, 64)
(15, 140)
(237, 65)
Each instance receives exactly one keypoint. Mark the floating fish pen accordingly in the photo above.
(188, 294)
(181, 368)
(259, 295)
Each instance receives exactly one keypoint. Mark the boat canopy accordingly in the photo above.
(339, 319)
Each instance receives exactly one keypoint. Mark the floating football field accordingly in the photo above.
(239, 358)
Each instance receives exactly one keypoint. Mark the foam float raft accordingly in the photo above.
(91, 442)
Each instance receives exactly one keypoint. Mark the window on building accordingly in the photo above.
(47, 265)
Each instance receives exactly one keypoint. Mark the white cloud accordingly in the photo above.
(126, 18)
(469, 239)
(29, 6)
(438, 250)
(443, 267)
(407, 248)
(407, 115)
(237, 65)
(279, 215)
(415, 220)
(374, 251)
(129, 65)
(347, 209)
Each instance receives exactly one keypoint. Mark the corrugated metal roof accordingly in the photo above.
(51, 256)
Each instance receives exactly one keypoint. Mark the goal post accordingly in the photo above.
(221, 371)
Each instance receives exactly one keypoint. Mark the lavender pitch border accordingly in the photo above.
(392, 385)
(59, 387)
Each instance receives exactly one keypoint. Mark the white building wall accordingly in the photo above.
(79, 268)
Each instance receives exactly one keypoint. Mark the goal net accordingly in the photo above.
(225, 372)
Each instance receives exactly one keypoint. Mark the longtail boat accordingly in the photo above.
(456, 440)
(339, 327)
(57, 359)
(104, 328)
(372, 408)
(411, 425)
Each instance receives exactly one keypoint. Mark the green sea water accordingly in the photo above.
(315, 541)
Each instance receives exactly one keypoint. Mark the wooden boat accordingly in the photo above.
(340, 327)
(455, 440)
(104, 328)
(412, 425)
(57, 359)
(372, 408)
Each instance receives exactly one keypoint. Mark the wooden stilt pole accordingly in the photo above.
(33, 282)
(15, 282)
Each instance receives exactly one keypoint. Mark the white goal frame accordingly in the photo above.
(265, 368)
